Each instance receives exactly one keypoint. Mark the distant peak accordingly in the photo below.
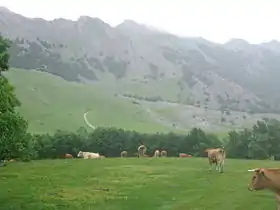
(5, 9)
(89, 19)
(129, 23)
(272, 42)
(134, 27)
(238, 41)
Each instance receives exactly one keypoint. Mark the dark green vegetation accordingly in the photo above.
(13, 127)
(130, 183)
(226, 77)
(261, 142)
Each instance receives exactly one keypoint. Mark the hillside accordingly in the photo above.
(224, 82)
(50, 103)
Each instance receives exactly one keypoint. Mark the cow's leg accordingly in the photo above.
(211, 165)
(221, 168)
(278, 201)
(218, 167)
(278, 205)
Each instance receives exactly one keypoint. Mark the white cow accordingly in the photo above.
(157, 153)
(88, 155)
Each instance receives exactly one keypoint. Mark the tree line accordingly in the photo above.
(259, 142)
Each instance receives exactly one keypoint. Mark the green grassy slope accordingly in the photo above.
(50, 103)
(130, 183)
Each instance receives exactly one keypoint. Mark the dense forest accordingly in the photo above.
(260, 142)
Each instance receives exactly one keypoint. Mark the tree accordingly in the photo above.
(13, 127)
(4, 55)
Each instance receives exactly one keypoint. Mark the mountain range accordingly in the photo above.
(137, 61)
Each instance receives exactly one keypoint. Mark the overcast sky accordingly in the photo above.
(216, 20)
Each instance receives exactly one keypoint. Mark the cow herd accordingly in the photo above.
(263, 178)
(215, 156)
(141, 152)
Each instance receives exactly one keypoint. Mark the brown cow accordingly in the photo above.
(266, 178)
(182, 155)
(124, 154)
(163, 153)
(216, 156)
(68, 155)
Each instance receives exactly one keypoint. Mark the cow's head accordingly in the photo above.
(80, 154)
(207, 150)
(221, 151)
(259, 179)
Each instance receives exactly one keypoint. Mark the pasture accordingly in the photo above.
(131, 184)
(50, 103)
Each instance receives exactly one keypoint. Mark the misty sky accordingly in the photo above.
(216, 20)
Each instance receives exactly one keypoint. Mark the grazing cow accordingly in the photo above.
(68, 155)
(142, 150)
(124, 154)
(266, 178)
(88, 155)
(216, 156)
(156, 153)
(163, 153)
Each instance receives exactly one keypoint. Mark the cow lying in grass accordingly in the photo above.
(89, 155)
(266, 178)
(184, 155)
(68, 156)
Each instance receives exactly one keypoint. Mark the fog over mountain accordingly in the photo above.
(236, 75)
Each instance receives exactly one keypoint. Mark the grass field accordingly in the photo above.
(50, 103)
(131, 184)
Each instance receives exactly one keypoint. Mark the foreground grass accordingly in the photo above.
(126, 184)
(50, 103)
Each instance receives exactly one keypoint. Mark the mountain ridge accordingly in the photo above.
(235, 75)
